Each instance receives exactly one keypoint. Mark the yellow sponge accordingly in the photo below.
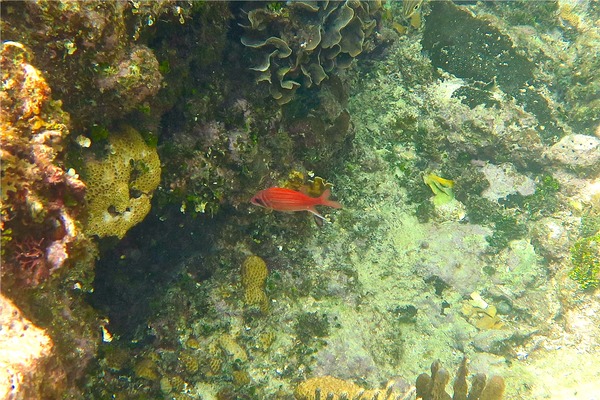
(120, 186)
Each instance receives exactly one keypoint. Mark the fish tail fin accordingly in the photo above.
(324, 198)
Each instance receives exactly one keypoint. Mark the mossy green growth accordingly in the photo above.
(312, 325)
(585, 256)
(540, 204)
(5, 239)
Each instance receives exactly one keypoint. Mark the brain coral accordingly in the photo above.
(254, 274)
(120, 186)
(306, 40)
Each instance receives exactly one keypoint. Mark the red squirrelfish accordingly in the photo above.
(282, 199)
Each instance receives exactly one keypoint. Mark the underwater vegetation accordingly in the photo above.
(585, 256)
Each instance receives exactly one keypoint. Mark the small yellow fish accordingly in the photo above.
(411, 12)
(441, 188)
(410, 7)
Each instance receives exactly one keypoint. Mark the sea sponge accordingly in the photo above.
(120, 186)
(254, 274)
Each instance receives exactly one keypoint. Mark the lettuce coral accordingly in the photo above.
(306, 41)
(120, 186)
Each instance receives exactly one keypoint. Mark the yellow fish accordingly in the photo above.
(441, 188)
(411, 12)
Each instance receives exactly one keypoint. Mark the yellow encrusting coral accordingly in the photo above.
(254, 274)
(336, 389)
(120, 186)
(189, 362)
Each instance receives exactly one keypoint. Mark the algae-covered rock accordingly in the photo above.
(40, 196)
(474, 49)
(120, 185)
(26, 356)
(577, 152)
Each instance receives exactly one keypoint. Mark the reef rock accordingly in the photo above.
(25, 355)
(576, 151)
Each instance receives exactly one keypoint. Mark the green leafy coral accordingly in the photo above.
(585, 256)
(306, 42)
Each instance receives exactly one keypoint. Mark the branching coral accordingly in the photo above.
(40, 199)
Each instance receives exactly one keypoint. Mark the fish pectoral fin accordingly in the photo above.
(316, 213)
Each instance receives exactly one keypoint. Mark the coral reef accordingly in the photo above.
(432, 387)
(40, 197)
(481, 92)
(254, 274)
(306, 40)
(26, 354)
(120, 185)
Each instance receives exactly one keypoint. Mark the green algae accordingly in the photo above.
(585, 257)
